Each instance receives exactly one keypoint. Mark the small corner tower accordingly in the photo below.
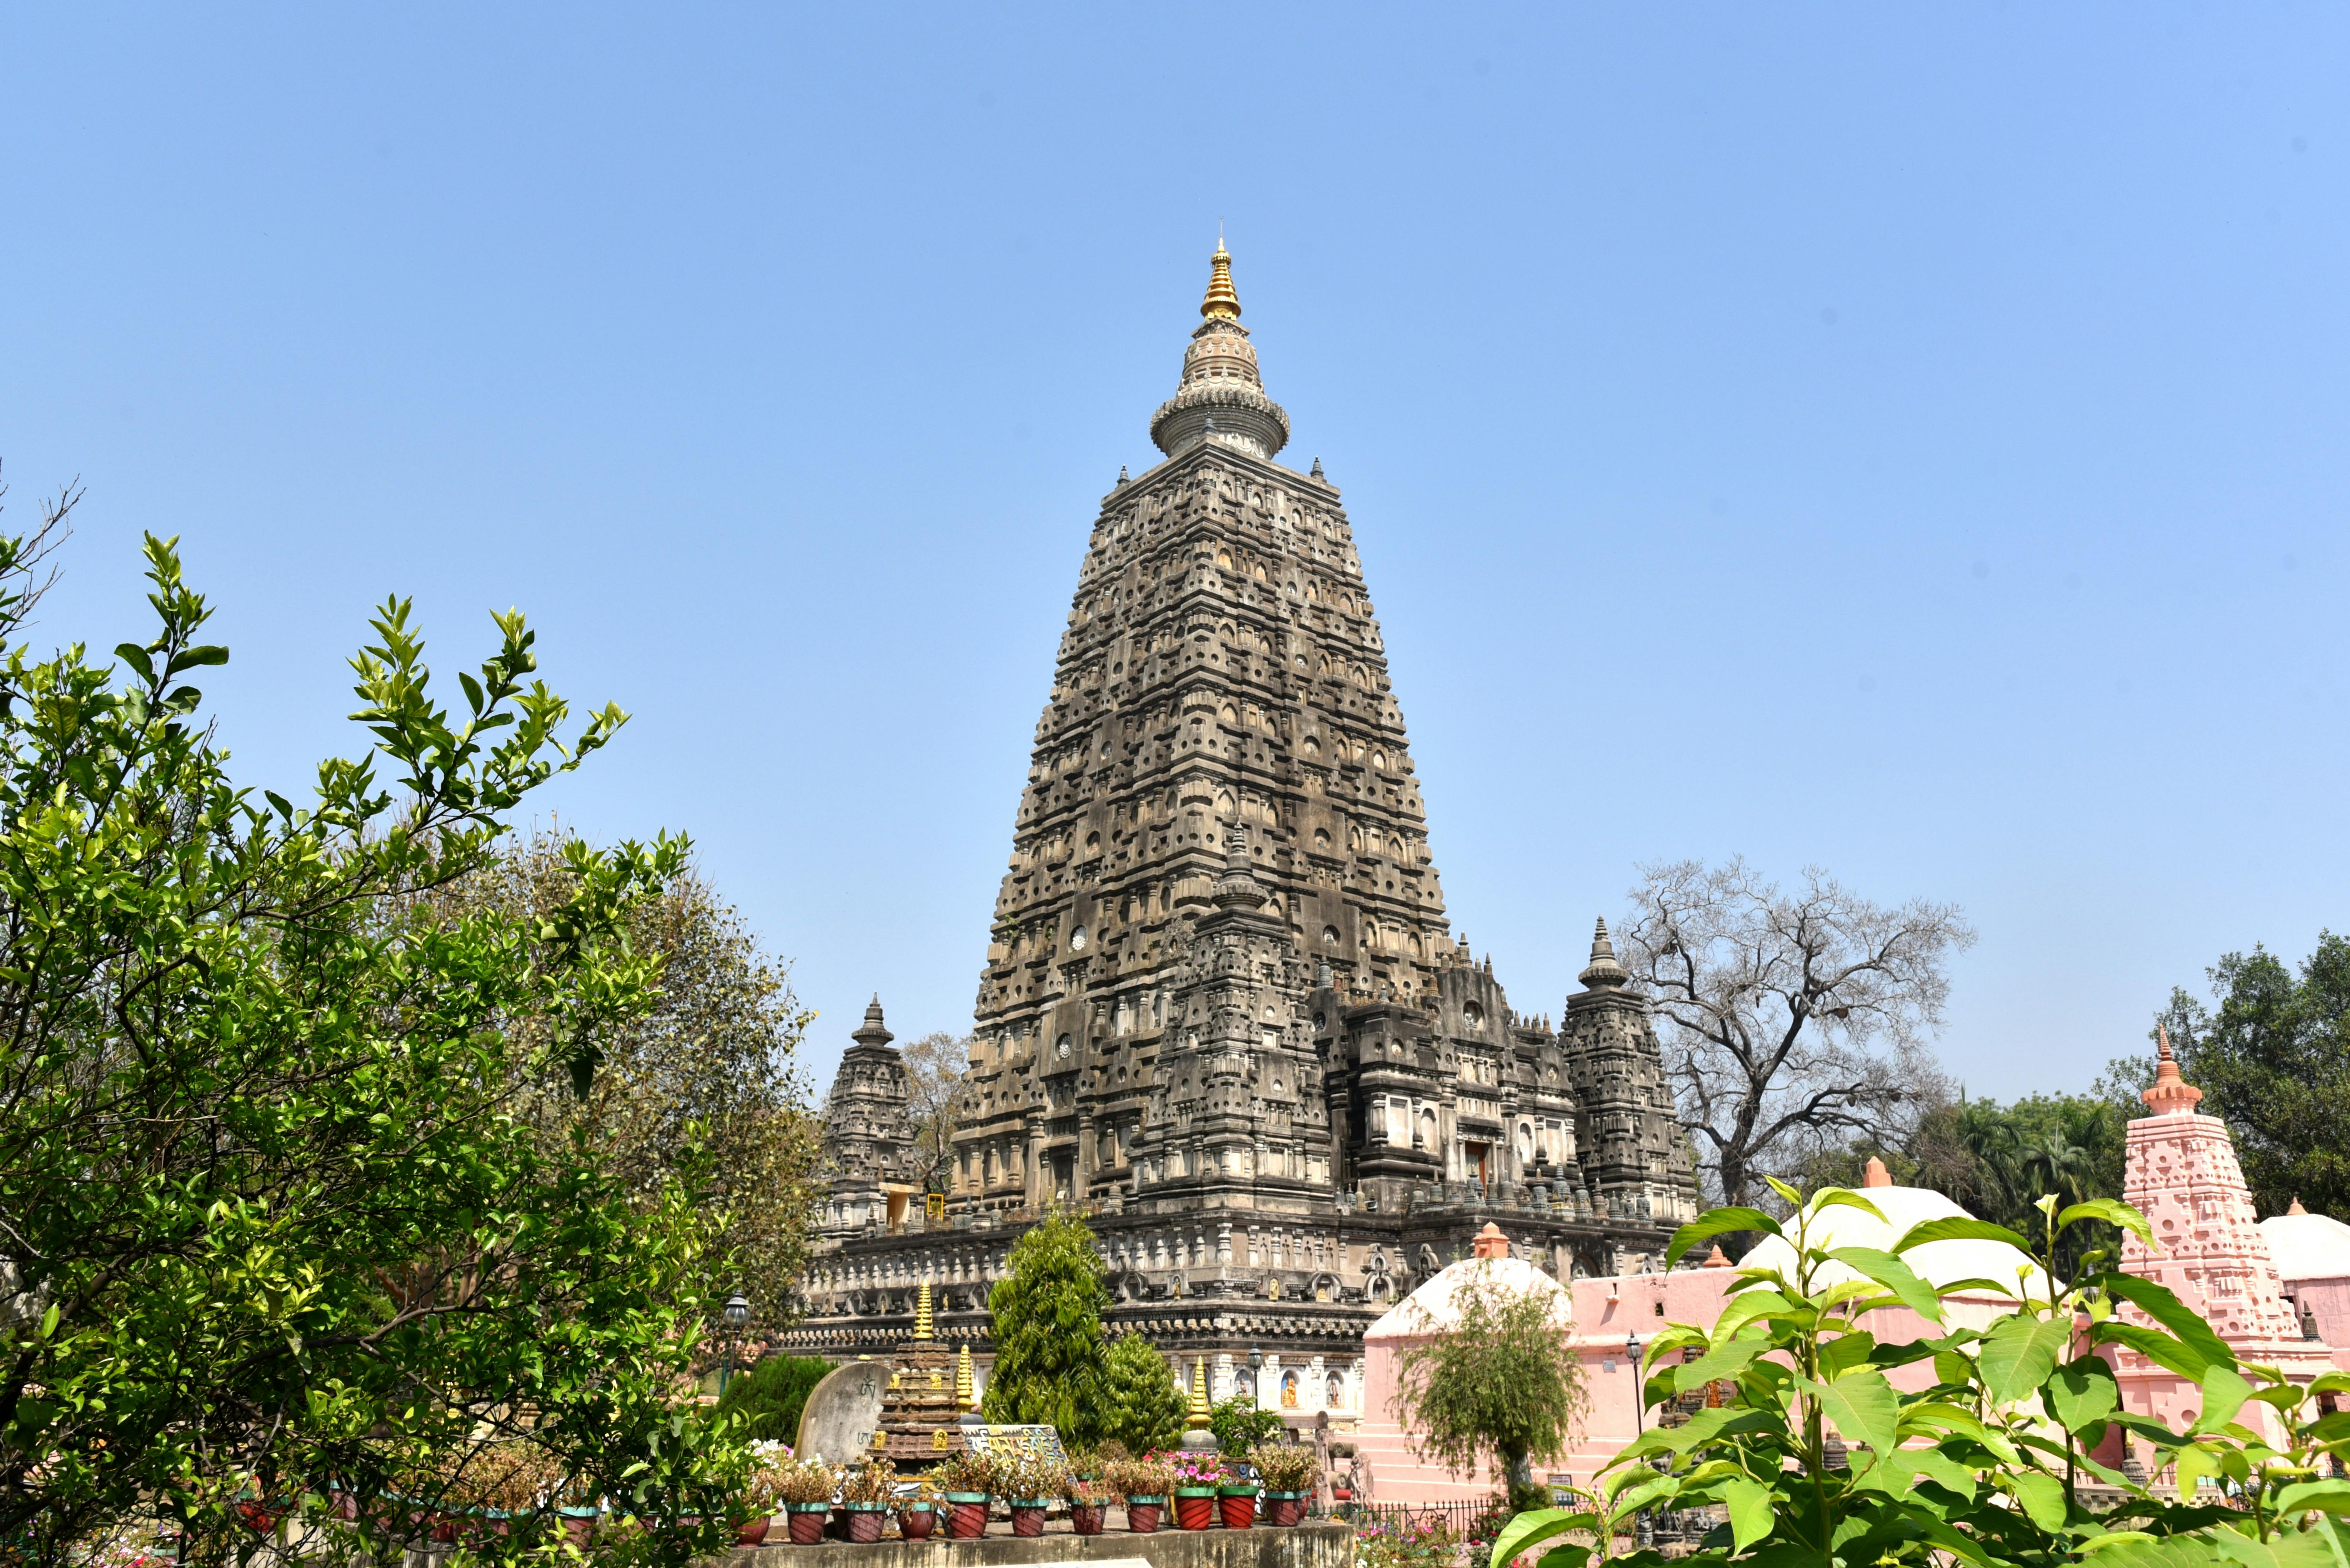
(1633, 1151)
(868, 1135)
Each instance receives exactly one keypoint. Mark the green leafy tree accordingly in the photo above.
(1046, 1315)
(1240, 1425)
(704, 1072)
(2272, 1059)
(1141, 1406)
(1502, 1382)
(771, 1395)
(1983, 1466)
(268, 1217)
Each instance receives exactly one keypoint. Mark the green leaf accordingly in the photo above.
(1941, 1470)
(1950, 1367)
(131, 654)
(1958, 1229)
(1700, 1429)
(2042, 1497)
(189, 658)
(1846, 1198)
(2172, 1313)
(2163, 1349)
(1724, 1360)
(2301, 1497)
(2224, 1392)
(1533, 1528)
(2113, 1211)
(2082, 1392)
(1748, 1505)
(1864, 1407)
(1788, 1195)
(1717, 1222)
(2019, 1354)
(1895, 1276)
(49, 1321)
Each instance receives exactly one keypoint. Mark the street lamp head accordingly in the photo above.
(1632, 1345)
(738, 1309)
(1256, 1356)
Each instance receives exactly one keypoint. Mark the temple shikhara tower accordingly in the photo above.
(1223, 1009)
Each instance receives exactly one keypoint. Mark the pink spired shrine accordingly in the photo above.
(2212, 1255)
(2182, 1173)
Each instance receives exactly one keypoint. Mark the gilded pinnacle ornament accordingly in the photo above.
(966, 1398)
(1199, 1420)
(922, 1311)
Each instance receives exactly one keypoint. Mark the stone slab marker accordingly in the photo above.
(843, 1412)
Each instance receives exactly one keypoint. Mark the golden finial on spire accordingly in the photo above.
(1222, 302)
(965, 1398)
(1199, 1421)
(922, 1311)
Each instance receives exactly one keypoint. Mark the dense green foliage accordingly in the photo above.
(1982, 1465)
(704, 1072)
(1142, 1407)
(1502, 1384)
(2273, 1062)
(771, 1395)
(269, 1223)
(1049, 1353)
(1240, 1425)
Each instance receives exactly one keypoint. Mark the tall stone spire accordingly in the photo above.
(1221, 398)
(1604, 973)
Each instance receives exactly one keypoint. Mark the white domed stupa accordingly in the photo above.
(1939, 1263)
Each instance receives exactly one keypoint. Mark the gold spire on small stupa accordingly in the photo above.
(966, 1398)
(1199, 1421)
(1222, 302)
(922, 1311)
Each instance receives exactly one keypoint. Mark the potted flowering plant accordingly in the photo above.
(918, 1508)
(1240, 1496)
(1029, 1483)
(967, 1479)
(1288, 1472)
(865, 1492)
(804, 1489)
(1088, 1497)
(1146, 1484)
(1199, 1475)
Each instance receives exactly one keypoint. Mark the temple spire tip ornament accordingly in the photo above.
(1222, 302)
(1877, 1175)
(872, 1031)
(2171, 1094)
(1605, 972)
(922, 1311)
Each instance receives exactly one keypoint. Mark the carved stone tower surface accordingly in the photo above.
(868, 1135)
(1224, 1010)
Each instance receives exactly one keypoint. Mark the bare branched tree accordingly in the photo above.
(1794, 1023)
(935, 1065)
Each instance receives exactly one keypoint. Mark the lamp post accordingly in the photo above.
(1644, 1531)
(738, 1312)
(1257, 1370)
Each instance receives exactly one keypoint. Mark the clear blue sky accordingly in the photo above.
(1910, 440)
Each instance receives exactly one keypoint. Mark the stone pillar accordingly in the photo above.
(1317, 1394)
(1220, 1380)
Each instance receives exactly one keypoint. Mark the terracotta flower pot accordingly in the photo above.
(1239, 1507)
(1086, 1517)
(752, 1532)
(806, 1521)
(916, 1523)
(1284, 1507)
(1195, 1508)
(578, 1524)
(865, 1520)
(966, 1515)
(1143, 1514)
(1028, 1516)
